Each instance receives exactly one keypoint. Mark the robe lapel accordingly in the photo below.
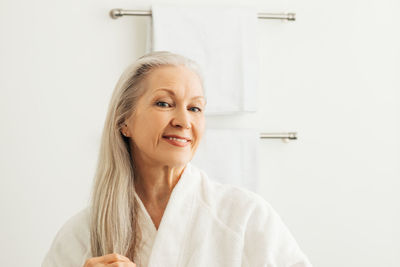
(172, 232)
(149, 233)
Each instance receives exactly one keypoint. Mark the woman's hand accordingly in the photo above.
(109, 260)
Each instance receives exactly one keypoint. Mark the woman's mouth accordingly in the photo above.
(177, 140)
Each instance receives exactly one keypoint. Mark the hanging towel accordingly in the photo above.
(223, 41)
(230, 156)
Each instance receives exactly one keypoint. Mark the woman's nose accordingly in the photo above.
(181, 119)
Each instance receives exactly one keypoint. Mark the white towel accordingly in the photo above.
(230, 156)
(223, 41)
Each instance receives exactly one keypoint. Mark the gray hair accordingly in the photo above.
(113, 224)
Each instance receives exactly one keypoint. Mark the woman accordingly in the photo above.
(150, 206)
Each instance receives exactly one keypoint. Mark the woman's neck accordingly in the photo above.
(154, 186)
(155, 183)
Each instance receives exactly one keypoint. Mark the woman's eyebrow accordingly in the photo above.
(173, 93)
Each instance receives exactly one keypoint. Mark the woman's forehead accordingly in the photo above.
(175, 79)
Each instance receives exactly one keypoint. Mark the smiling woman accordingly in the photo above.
(173, 102)
(150, 206)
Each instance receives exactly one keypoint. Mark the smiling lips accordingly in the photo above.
(177, 140)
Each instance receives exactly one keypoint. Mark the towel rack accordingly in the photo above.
(283, 136)
(116, 13)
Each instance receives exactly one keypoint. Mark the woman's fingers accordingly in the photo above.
(113, 259)
(122, 264)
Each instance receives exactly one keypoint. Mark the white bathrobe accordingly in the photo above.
(204, 224)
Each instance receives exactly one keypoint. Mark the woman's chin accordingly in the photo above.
(177, 161)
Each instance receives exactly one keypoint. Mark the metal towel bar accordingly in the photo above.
(284, 136)
(117, 12)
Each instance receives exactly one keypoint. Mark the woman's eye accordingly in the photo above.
(162, 104)
(195, 109)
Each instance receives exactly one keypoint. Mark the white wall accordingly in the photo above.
(331, 76)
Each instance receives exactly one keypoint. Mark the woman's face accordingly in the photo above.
(168, 122)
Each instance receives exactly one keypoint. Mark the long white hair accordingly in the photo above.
(113, 224)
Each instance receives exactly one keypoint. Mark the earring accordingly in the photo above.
(123, 132)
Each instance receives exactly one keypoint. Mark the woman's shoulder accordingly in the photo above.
(231, 203)
(76, 227)
(265, 236)
(71, 245)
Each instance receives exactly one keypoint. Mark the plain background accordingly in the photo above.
(332, 76)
